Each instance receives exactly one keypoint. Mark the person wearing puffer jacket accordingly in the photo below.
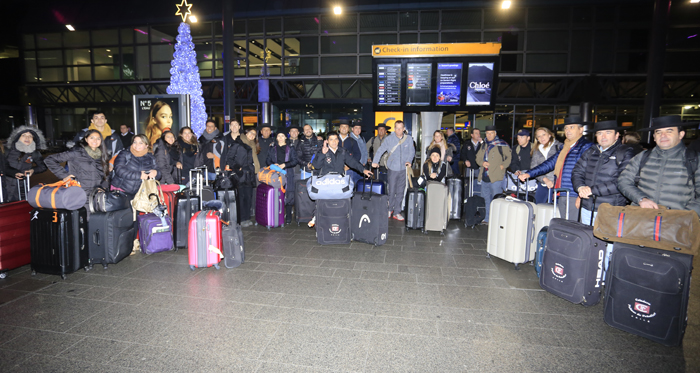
(88, 163)
(134, 165)
(168, 158)
(23, 158)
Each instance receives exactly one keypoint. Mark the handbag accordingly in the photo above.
(272, 178)
(665, 229)
(225, 180)
(101, 200)
(330, 186)
(143, 200)
(66, 195)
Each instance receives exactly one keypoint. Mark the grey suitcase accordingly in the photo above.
(455, 185)
(437, 207)
(511, 230)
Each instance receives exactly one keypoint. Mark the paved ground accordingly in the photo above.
(425, 303)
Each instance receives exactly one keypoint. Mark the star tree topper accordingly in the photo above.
(183, 10)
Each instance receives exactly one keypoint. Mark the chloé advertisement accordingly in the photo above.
(153, 114)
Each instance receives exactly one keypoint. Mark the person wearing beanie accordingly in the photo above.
(434, 169)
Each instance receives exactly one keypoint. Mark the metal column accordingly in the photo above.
(229, 60)
(657, 55)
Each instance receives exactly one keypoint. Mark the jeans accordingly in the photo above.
(488, 190)
(586, 219)
(541, 194)
(245, 198)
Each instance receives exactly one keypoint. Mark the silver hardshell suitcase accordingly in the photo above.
(511, 230)
(437, 207)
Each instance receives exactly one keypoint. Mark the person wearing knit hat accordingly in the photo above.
(434, 169)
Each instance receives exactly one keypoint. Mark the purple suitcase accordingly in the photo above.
(269, 206)
(154, 236)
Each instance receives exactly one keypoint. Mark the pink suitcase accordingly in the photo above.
(204, 247)
(269, 206)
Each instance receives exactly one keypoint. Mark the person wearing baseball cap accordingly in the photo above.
(521, 152)
(563, 162)
(666, 175)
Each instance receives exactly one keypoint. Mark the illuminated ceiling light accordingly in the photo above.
(108, 50)
(688, 106)
(70, 28)
(109, 56)
(193, 19)
(505, 4)
(694, 1)
(337, 10)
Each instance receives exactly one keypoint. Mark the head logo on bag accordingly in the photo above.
(558, 271)
(364, 218)
(641, 310)
(335, 230)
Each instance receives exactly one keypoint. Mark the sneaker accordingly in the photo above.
(389, 214)
(246, 223)
(312, 223)
(399, 217)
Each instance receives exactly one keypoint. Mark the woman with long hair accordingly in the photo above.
(159, 120)
(434, 169)
(88, 162)
(285, 157)
(545, 147)
(189, 150)
(250, 138)
(133, 165)
(446, 150)
(168, 158)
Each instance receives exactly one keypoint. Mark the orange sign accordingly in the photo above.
(387, 117)
(435, 50)
(248, 119)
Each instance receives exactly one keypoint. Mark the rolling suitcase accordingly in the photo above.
(155, 233)
(474, 208)
(233, 247)
(333, 221)
(376, 187)
(415, 208)
(572, 264)
(169, 200)
(230, 199)
(437, 207)
(647, 293)
(200, 182)
(455, 185)
(303, 205)
(58, 241)
(204, 246)
(269, 206)
(541, 244)
(110, 236)
(187, 203)
(14, 236)
(544, 212)
(511, 228)
(369, 223)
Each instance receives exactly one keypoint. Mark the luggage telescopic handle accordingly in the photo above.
(592, 211)
(568, 192)
(517, 192)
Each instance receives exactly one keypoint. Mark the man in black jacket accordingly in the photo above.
(597, 170)
(266, 140)
(468, 156)
(308, 146)
(207, 142)
(335, 160)
(521, 152)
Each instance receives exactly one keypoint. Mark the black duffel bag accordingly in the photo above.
(101, 200)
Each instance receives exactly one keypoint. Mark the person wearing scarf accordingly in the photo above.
(207, 142)
(88, 163)
(493, 159)
(98, 121)
(133, 165)
(563, 162)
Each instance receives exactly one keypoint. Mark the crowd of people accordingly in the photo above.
(607, 169)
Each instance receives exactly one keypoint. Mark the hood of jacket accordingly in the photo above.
(19, 131)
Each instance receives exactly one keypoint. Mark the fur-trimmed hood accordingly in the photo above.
(17, 132)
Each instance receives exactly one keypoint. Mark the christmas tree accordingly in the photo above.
(184, 78)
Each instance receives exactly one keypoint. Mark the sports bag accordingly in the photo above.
(101, 200)
(272, 178)
(66, 195)
(330, 186)
(665, 229)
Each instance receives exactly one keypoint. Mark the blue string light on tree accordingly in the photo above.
(184, 73)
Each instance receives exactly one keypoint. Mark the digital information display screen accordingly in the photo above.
(479, 83)
(418, 84)
(449, 78)
(389, 84)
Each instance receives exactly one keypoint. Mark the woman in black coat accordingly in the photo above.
(236, 156)
(191, 156)
(23, 159)
(168, 158)
(88, 162)
(285, 157)
(134, 165)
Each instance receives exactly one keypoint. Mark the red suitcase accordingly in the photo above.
(170, 201)
(204, 247)
(14, 236)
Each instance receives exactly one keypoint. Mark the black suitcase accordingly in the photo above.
(647, 293)
(415, 208)
(455, 185)
(110, 236)
(186, 205)
(233, 247)
(474, 207)
(303, 205)
(369, 218)
(572, 263)
(59, 241)
(230, 199)
(333, 221)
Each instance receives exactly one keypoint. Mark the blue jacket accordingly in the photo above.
(572, 157)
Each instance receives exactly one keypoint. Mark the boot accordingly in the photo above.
(288, 214)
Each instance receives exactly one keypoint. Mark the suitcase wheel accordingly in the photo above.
(517, 267)
(216, 266)
(86, 268)
(33, 272)
(104, 266)
(63, 277)
(192, 268)
(488, 255)
(3, 275)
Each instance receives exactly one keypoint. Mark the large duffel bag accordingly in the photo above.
(272, 178)
(67, 195)
(330, 186)
(101, 200)
(665, 229)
